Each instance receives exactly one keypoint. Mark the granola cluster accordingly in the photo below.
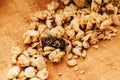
(69, 31)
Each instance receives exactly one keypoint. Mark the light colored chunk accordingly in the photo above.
(86, 44)
(34, 79)
(30, 36)
(38, 61)
(84, 54)
(58, 20)
(23, 61)
(14, 59)
(40, 15)
(65, 1)
(13, 72)
(68, 49)
(76, 51)
(70, 33)
(56, 55)
(48, 48)
(43, 74)
(80, 35)
(69, 56)
(95, 46)
(96, 4)
(82, 71)
(16, 50)
(53, 6)
(72, 62)
(80, 3)
(30, 72)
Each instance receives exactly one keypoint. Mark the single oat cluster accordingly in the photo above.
(57, 31)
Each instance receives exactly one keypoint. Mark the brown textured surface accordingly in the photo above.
(14, 19)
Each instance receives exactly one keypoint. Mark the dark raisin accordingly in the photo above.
(54, 42)
(89, 1)
(46, 41)
(58, 43)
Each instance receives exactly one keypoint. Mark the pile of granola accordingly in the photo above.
(69, 31)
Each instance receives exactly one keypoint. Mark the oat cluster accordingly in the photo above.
(58, 31)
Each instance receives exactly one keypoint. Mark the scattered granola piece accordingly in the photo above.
(13, 72)
(30, 72)
(72, 62)
(43, 74)
(76, 68)
(84, 54)
(82, 71)
(16, 50)
(69, 56)
(95, 46)
(59, 74)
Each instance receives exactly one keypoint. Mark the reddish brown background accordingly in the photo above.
(100, 64)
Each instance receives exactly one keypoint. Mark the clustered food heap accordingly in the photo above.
(69, 31)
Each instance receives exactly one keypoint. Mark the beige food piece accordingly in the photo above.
(68, 49)
(30, 72)
(38, 61)
(59, 74)
(82, 71)
(80, 3)
(49, 23)
(58, 31)
(56, 55)
(72, 62)
(46, 53)
(116, 20)
(95, 46)
(77, 43)
(35, 44)
(22, 75)
(41, 28)
(53, 6)
(65, 1)
(95, 6)
(69, 56)
(86, 37)
(105, 24)
(80, 34)
(86, 44)
(29, 52)
(70, 33)
(34, 79)
(43, 74)
(75, 24)
(75, 56)
(40, 15)
(110, 7)
(76, 68)
(23, 61)
(76, 51)
(48, 48)
(16, 50)
(30, 36)
(84, 53)
(13, 72)
(58, 20)
(14, 59)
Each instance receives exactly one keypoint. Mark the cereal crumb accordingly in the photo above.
(72, 62)
(69, 56)
(95, 46)
(76, 68)
(84, 54)
(82, 71)
(59, 74)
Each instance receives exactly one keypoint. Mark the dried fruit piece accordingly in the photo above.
(54, 42)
